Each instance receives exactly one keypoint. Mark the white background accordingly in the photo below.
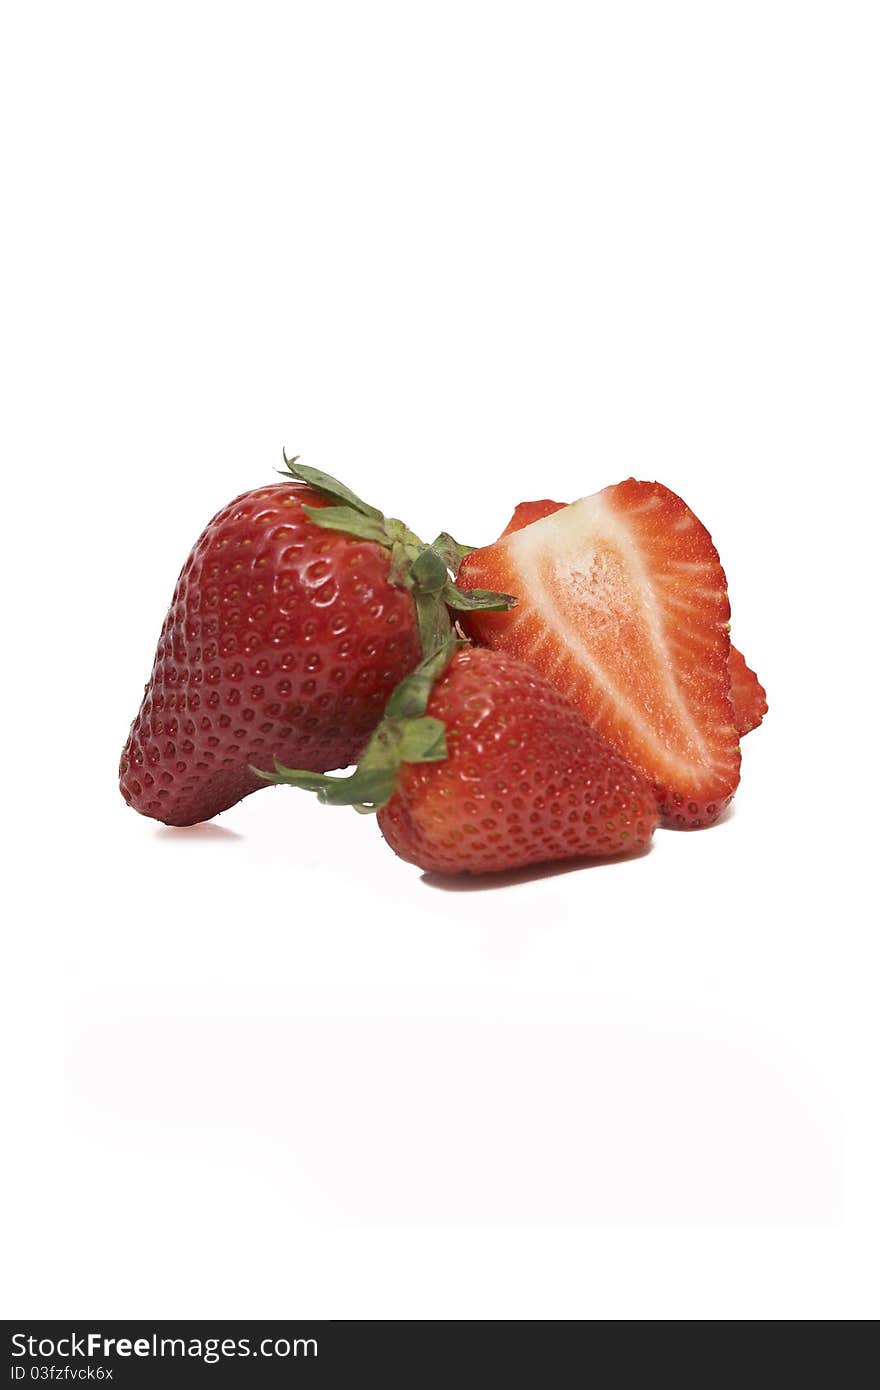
(459, 255)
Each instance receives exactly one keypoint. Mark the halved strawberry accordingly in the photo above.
(622, 604)
(746, 692)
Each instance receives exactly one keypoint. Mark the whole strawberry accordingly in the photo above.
(481, 765)
(298, 611)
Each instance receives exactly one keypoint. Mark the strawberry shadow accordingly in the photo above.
(531, 873)
(179, 833)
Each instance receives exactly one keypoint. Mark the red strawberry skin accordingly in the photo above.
(283, 640)
(526, 779)
(623, 605)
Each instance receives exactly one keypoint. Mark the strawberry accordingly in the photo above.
(622, 603)
(482, 765)
(299, 610)
(748, 696)
(524, 513)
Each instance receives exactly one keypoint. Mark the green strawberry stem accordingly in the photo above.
(406, 735)
(422, 569)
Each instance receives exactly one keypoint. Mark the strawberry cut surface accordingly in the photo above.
(746, 692)
(622, 605)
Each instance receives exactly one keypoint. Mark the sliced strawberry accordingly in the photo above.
(748, 695)
(623, 606)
